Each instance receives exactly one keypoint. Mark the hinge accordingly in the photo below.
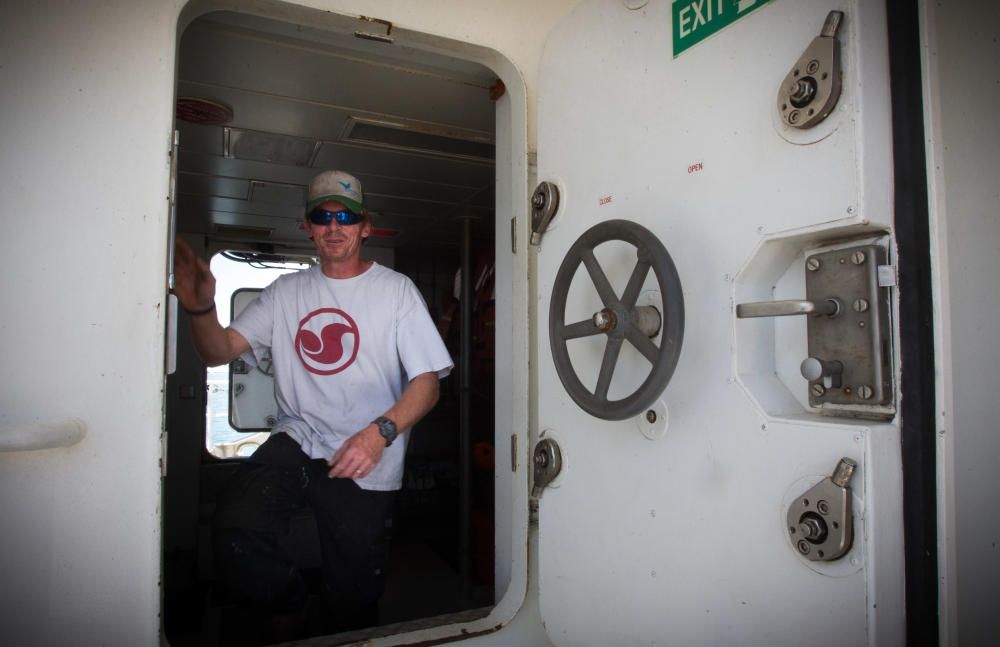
(513, 453)
(163, 454)
(175, 143)
(382, 38)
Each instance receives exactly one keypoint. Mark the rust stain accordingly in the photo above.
(497, 90)
(464, 635)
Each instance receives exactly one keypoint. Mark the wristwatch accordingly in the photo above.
(386, 429)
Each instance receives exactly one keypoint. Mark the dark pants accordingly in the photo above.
(254, 509)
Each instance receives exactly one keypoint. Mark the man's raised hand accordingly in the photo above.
(194, 284)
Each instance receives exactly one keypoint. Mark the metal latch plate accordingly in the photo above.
(858, 336)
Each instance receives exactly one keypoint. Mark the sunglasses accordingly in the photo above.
(320, 216)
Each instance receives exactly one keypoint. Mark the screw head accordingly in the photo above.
(818, 390)
(803, 546)
(865, 392)
(812, 67)
(858, 257)
(650, 416)
(812, 264)
(538, 200)
(823, 507)
(861, 305)
(793, 117)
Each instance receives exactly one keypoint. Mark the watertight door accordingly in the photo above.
(727, 476)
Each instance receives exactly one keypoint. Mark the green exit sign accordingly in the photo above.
(696, 20)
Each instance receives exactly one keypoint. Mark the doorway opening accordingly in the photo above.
(263, 106)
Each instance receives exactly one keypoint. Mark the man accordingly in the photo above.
(356, 361)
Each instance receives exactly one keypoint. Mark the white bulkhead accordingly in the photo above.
(667, 524)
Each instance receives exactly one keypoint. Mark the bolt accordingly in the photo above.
(858, 257)
(650, 416)
(541, 459)
(811, 528)
(802, 92)
(865, 392)
(860, 305)
(823, 507)
(812, 264)
(793, 117)
(803, 546)
(538, 200)
(817, 390)
(812, 67)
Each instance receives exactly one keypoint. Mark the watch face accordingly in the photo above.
(387, 429)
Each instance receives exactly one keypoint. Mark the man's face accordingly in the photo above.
(337, 242)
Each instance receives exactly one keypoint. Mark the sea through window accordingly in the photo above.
(235, 271)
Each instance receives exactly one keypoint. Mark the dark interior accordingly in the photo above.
(264, 105)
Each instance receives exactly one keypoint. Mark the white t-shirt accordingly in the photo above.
(343, 352)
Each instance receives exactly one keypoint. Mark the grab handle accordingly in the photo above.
(30, 437)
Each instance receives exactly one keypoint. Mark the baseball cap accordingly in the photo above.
(336, 186)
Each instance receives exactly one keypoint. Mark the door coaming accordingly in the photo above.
(677, 530)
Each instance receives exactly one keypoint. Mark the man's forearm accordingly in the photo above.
(419, 397)
(362, 451)
(211, 340)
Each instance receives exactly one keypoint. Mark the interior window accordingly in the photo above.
(236, 271)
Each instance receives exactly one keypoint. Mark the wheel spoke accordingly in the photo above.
(584, 328)
(608, 367)
(604, 289)
(635, 282)
(642, 343)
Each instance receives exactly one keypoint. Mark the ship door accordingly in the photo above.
(717, 459)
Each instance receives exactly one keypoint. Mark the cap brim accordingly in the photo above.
(347, 202)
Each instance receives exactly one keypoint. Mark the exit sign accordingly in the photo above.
(696, 20)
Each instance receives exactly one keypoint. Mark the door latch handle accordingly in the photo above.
(812, 87)
(544, 204)
(827, 307)
(547, 463)
(820, 521)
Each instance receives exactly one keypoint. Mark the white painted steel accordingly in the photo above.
(681, 539)
(963, 137)
(87, 114)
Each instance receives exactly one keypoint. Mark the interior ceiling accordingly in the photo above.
(416, 128)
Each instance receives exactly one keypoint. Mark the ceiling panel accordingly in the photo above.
(293, 90)
(209, 185)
